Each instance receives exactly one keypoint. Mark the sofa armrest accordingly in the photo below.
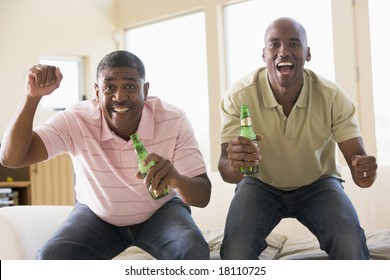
(24, 229)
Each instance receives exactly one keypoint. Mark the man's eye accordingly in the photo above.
(108, 89)
(130, 87)
(294, 45)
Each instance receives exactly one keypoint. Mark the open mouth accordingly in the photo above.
(285, 67)
(120, 109)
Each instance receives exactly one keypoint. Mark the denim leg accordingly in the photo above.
(323, 207)
(253, 213)
(330, 216)
(171, 234)
(85, 236)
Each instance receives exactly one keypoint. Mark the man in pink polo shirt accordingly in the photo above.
(114, 209)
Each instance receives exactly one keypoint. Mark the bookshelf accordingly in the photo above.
(19, 181)
(21, 192)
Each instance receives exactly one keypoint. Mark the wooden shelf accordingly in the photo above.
(21, 183)
(22, 188)
(15, 184)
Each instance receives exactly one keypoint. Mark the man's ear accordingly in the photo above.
(263, 56)
(96, 91)
(308, 54)
(146, 90)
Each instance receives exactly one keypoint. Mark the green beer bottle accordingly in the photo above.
(247, 131)
(141, 153)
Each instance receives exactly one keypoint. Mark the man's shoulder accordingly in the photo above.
(163, 108)
(247, 81)
(319, 80)
(324, 88)
(84, 109)
(83, 114)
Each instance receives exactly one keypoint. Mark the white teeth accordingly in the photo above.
(121, 109)
(285, 64)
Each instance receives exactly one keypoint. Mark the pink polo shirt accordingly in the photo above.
(105, 165)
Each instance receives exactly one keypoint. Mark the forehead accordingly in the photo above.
(285, 30)
(118, 73)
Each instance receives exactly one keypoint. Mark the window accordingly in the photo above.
(174, 54)
(246, 23)
(378, 16)
(70, 89)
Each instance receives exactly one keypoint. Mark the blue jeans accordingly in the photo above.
(323, 207)
(169, 234)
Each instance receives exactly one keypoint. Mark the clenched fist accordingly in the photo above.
(43, 80)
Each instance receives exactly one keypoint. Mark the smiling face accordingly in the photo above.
(121, 93)
(285, 53)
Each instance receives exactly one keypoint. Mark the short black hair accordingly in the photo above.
(121, 59)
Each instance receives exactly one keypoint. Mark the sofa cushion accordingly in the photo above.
(214, 239)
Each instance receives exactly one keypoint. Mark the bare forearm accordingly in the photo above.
(228, 173)
(18, 137)
(21, 146)
(195, 191)
(363, 167)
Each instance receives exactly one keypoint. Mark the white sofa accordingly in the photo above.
(25, 228)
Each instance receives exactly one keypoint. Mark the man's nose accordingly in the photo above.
(120, 95)
(283, 50)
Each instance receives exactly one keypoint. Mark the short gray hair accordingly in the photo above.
(121, 59)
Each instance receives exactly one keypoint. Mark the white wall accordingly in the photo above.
(30, 29)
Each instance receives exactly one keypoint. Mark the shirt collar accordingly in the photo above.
(146, 124)
(269, 97)
(106, 132)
